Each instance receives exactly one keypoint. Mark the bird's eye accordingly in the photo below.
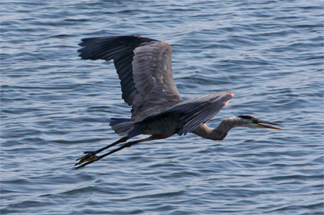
(254, 121)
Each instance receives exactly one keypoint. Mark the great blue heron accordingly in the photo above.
(144, 69)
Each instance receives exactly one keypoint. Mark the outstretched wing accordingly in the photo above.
(196, 111)
(144, 68)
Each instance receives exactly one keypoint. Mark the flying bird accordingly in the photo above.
(144, 69)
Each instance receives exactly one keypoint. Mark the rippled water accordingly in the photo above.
(55, 106)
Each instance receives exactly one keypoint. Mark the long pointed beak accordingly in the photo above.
(266, 124)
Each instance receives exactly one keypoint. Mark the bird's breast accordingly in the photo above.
(165, 126)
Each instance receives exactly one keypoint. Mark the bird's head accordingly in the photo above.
(253, 122)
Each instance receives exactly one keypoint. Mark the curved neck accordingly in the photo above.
(220, 132)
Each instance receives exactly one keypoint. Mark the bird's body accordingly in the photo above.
(144, 69)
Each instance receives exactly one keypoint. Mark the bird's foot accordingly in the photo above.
(90, 156)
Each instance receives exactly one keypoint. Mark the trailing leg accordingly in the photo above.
(129, 144)
(91, 154)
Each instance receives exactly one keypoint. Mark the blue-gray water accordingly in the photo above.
(54, 106)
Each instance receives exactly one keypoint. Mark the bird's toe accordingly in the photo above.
(86, 158)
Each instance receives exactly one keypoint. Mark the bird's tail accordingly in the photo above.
(122, 126)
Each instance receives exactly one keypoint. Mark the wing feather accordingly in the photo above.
(152, 73)
(120, 49)
(144, 69)
(194, 112)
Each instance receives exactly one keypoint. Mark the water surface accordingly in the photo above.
(55, 106)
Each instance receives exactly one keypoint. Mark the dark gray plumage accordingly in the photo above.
(144, 69)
